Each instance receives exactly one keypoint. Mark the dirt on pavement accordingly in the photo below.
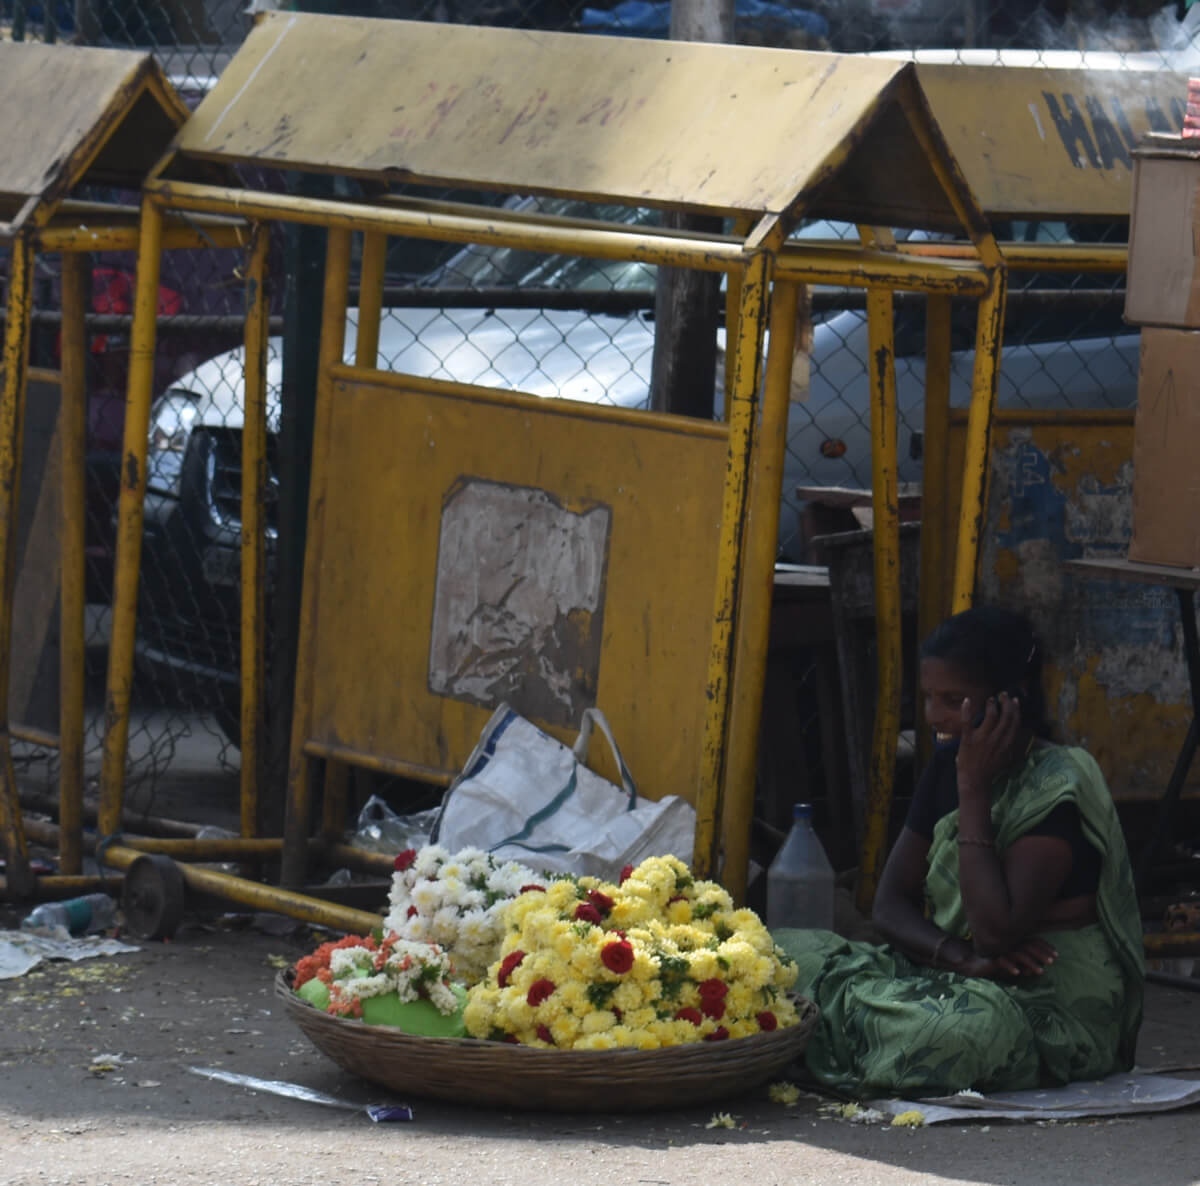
(95, 1089)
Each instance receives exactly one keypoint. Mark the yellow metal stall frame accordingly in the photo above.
(762, 137)
(74, 118)
(1043, 150)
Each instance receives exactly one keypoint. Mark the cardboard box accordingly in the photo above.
(1163, 285)
(1166, 450)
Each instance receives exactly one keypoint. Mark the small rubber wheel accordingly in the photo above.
(152, 897)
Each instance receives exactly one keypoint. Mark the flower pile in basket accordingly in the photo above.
(658, 960)
(455, 900)
(388, 982)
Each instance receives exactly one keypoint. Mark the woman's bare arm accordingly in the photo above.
(1004, 896)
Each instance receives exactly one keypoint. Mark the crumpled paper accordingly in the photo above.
(22, 950)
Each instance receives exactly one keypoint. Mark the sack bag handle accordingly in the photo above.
(594, 717)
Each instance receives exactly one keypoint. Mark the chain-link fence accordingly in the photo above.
(543, 324)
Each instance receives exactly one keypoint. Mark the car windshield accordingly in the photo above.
(479, 266)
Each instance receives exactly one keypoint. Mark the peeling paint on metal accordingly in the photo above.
(1115, 678)
(519, 601)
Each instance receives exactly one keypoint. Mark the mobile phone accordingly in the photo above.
(1013, 694)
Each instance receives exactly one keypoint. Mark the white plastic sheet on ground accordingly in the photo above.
(22, 950)
(1123, 1094)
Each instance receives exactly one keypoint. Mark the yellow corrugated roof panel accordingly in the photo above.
(1036, 142)
(73, 112)
(706, 127)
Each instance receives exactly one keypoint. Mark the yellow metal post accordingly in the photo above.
(733, 300)
(129, 521)
(885, 503)
(335, 789)
(335, 786)
(370, 298)
(757, 590)
(12, 408)
(741, 412)
(988, 336)
(932, 592)
(254, 497)
(72, 421)
(333, 338)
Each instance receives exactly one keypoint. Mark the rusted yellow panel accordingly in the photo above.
(1040, 143)
(508, 548)
(1115, 677)
(716, 127)
(68, 108)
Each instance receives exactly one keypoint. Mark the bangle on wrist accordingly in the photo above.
(976, 841)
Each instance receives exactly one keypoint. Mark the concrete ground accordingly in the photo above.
(94, 1090)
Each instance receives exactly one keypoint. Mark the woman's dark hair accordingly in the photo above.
(997, 648)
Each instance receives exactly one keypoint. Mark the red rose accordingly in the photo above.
(713, 990)
(689, 1014)
(617, 1013)
(412, 910)
(617, 957)
(712, 1007)
(404, 859)
(539, 990)
(511, 1039)
(767, 1021)
(626, 874)
(718, 1035)
(543, 1032)
(586, 912)
(508, 965)
(540, 889)
(602, 902)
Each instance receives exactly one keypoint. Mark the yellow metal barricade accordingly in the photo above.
(95, 118)
(783, 136)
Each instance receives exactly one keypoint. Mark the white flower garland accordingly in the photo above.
(455, 900)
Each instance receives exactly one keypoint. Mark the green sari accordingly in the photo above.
(890, 1026)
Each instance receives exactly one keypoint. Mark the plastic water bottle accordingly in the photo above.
(800, 879)
(77, 916)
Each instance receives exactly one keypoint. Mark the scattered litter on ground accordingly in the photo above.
(22, 950)
(721, 1120)
(855, 1113)
(913, 1118)
(783, 1093)
(297, 1091)
(1123, 1094)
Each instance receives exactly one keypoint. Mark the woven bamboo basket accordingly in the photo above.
(500, 1075)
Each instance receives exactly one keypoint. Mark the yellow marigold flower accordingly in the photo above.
(629, 912)
(785, 1011)
(910, 1119)
(598, 1021)
(742, 1000)
(679, 912)
(629, 995)
(573, 994)
(783, 1093)
(477, 1017)
(566, 1030)
(559, 895)
(637, 1019)
(742, 1027)
(604, 1041)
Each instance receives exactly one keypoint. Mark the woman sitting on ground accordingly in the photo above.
(1014, 942)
